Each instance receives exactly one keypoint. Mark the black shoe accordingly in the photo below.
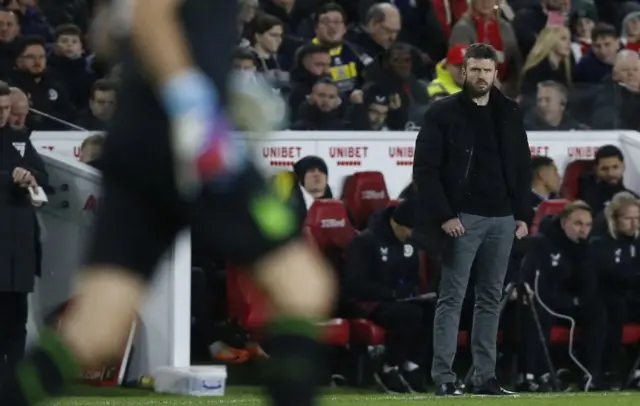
(391, 381)
(448, 389)
(612, 381)
(491, 388)
(414, 380)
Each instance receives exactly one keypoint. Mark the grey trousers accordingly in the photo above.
(489, 239)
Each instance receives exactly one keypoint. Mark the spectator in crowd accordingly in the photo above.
(19, 109)
(630, 37)
(290, 12)
(530, 21)
(581, 23)
(482, 24)
(554, 269)
(32, 21)
(248, 9)
(598, 62)
(617, 102)
(382, 25)
(612, 255)
(312, 63)
(243, 59)
(408, 95)
(69, 66)
(102, 104)
(22, 169)
(449, 12)
(382, 270)
(9, 31)
(321, 110)
(266, 39)
(477, 223)
(91, 150)
(347, 62)
(598, 188)
(550, 59)
(545, 180)
(449, 78)
(311, 183)
(369, 110)
(45, 93)
(551, 112)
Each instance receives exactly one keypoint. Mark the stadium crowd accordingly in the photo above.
(374, 66)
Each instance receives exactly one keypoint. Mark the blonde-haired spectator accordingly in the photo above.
(549, 59)
(613, 256)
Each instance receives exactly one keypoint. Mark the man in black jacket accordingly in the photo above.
(471, 170)
(382, 270)
(20, 169)
(555, 270)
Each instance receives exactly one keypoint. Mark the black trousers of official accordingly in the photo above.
(590, 318)
(13, 329)
(619, 311)
(409, 327)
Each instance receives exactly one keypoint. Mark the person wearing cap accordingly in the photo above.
(381, 273)
(369, 110)
(449, 79)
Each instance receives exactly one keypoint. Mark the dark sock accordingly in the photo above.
(41, 375)
(291, 371)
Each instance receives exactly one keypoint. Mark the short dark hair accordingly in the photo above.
(325, 80)
(602, 30)
(67, 29)
(28, 41)
(480, 51)
(261, 24)
(103, 85)
(309, 49)
(327, 8)
(5, 89)
(396, 46)
(608, 151)
(539, 162)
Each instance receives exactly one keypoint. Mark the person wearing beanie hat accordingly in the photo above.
(381, 273)
(312, 173)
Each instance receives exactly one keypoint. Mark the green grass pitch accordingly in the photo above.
(341, 397)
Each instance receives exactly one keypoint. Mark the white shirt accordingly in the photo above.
(308, 199)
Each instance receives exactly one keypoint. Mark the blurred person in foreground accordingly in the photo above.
(22, 171)
(556, 262)
(473, 183)
(614, 256)
(179, 107)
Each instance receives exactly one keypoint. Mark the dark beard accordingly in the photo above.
(473, 93)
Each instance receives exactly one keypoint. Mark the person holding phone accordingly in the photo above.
(22, 172)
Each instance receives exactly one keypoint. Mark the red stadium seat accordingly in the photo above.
(250, 307)
(570, 181)
(546, 208)
(328, 223)
(631, 334)
(363, 194)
